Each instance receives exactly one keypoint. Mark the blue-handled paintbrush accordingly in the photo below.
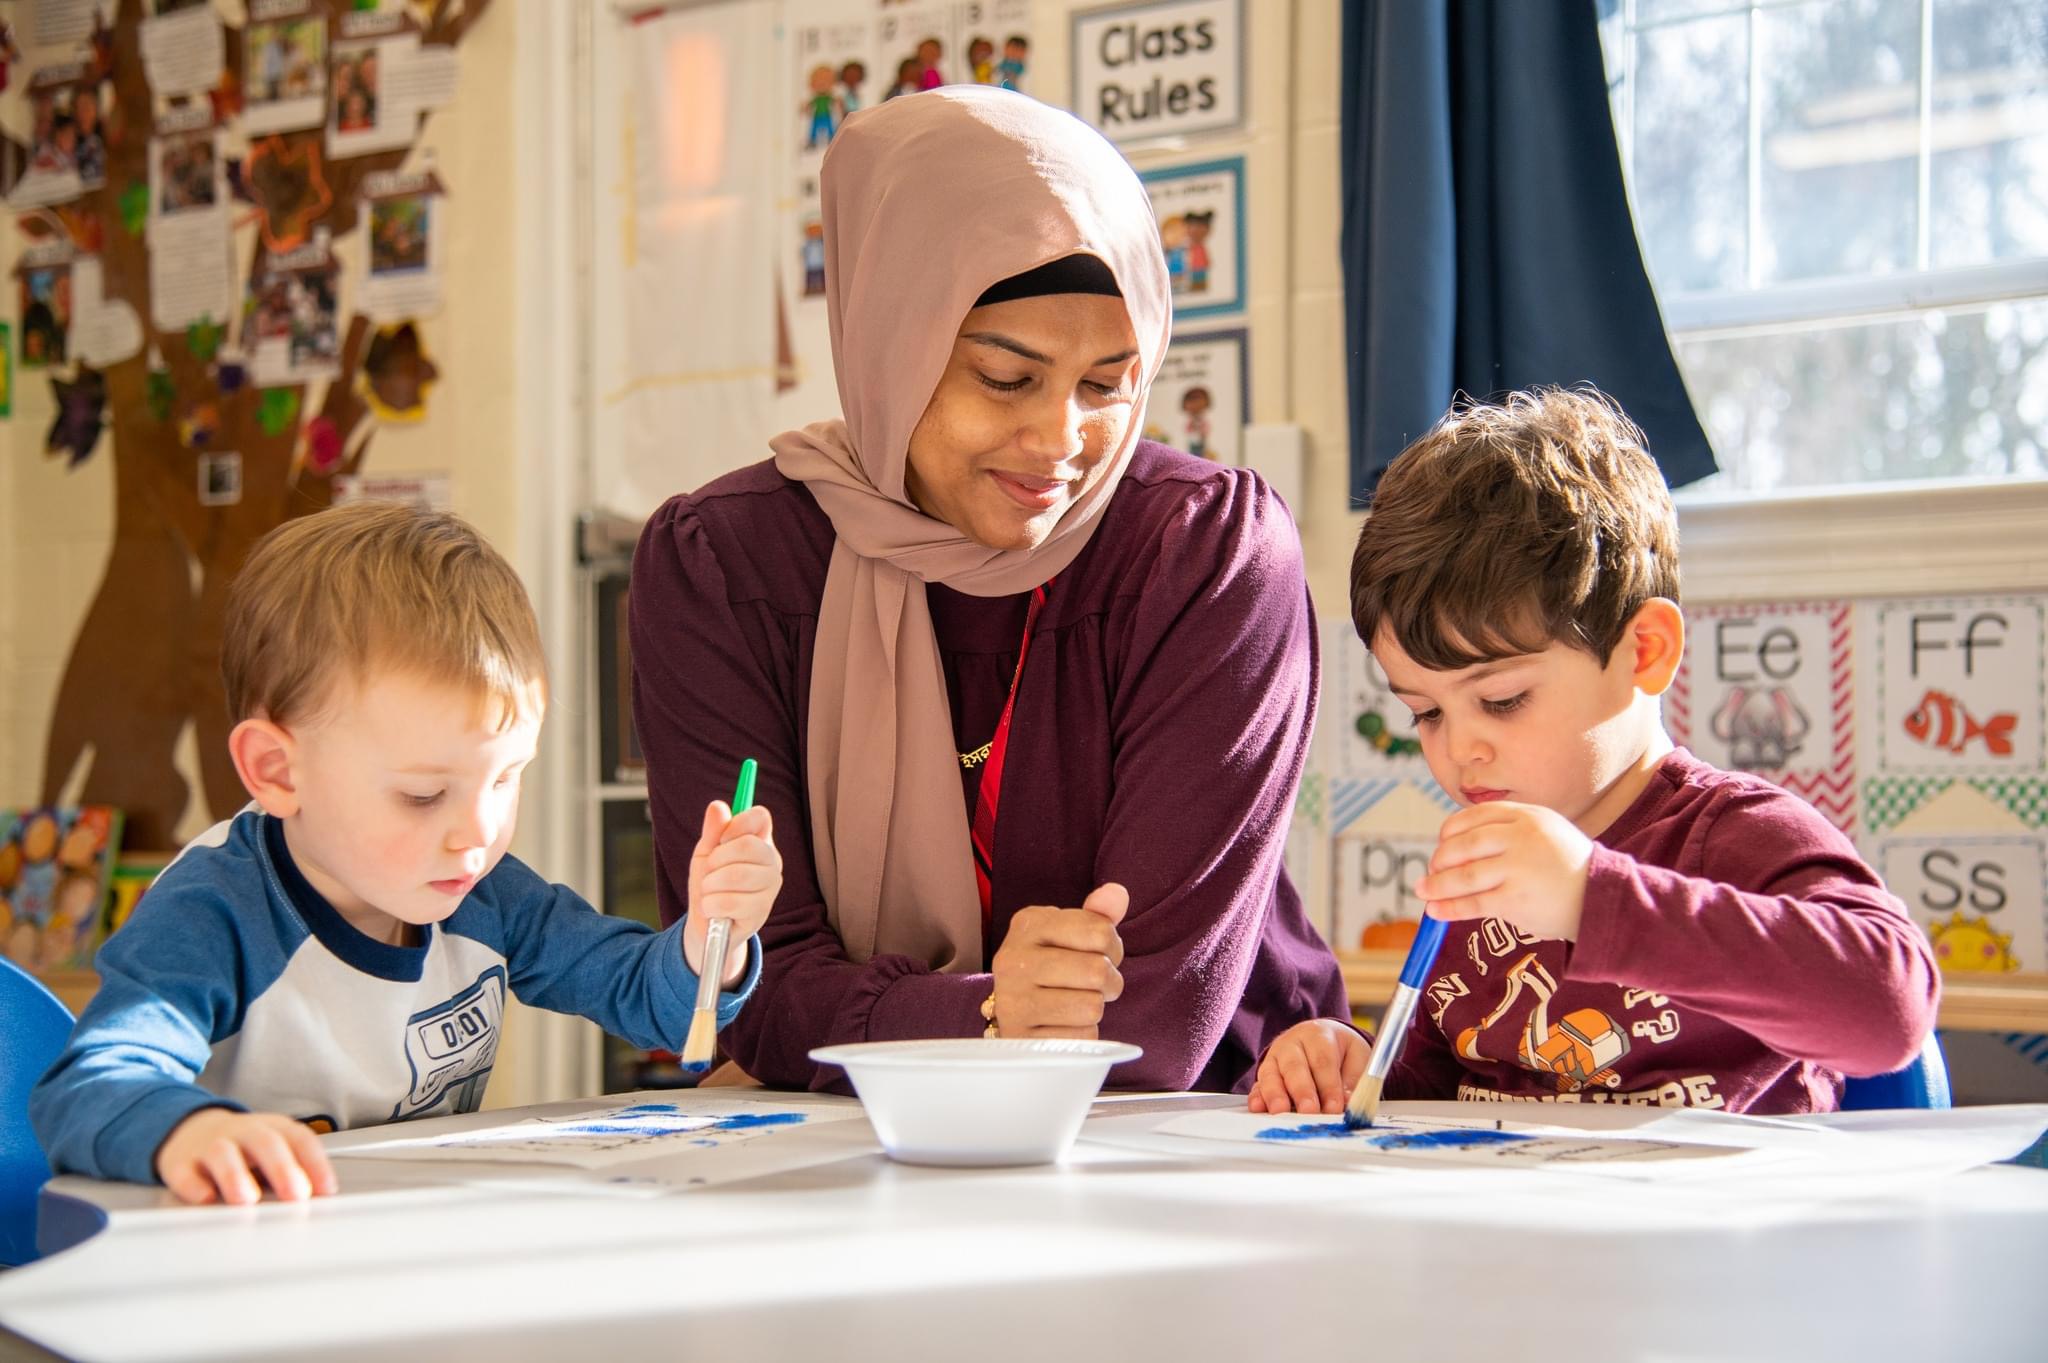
(1365, 1099)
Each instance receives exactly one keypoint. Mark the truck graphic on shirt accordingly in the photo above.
(451, 1048)
(1580, 1050)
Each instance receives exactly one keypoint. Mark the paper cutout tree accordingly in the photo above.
(146, 660)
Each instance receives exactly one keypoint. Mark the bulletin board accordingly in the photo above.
(1918, 726)
(226, 244)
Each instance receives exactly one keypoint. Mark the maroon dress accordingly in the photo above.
(1158, 736)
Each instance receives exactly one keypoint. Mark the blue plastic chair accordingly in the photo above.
(34, 1026)
(1924, 1083)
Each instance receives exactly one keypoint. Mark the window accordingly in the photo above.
(1844, 208)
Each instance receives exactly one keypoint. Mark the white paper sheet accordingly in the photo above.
(104, 331)
(183, 51)
(603, 1136)
(65, 21)
(1829, 1155)
(1482, 1142)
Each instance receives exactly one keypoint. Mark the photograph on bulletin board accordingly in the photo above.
(45, 304)
(1201, 229)
(286, 58)
(1201, 400)
(291, 326)
(67, 142)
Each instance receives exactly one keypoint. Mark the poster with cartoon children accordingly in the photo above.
(1200, 401)
(918, 49)
(1201, 229)
(811, 257)
(832, 55)
(995, 40)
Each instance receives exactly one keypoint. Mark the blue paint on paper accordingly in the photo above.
(1449, 1139)
(646, 1120)
(1442, 1140)
(1314, 1131)
(754, 1121)
(629, 1129)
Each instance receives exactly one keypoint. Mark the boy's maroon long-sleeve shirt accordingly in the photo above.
(1735, 952)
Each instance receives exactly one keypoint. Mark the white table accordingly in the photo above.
(1117, 1254)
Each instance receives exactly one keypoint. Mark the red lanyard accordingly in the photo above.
(990, 791)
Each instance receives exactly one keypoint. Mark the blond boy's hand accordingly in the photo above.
(217, 1154)
(735, 873)
(1523, 864)
(1312, 1067)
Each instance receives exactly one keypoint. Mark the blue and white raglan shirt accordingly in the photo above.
(235, 984)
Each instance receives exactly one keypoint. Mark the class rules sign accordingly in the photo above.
(1160, 70)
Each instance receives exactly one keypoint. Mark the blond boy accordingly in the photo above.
(339, 953)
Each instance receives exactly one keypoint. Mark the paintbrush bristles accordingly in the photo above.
(702, 1042)
(1365, 1101)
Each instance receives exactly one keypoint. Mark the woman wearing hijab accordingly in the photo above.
(1031, 696)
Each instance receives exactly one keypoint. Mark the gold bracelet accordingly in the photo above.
(988, 1015)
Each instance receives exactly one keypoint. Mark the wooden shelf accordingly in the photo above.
(2014, 1003)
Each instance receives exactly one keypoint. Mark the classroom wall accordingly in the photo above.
(57, 522)
(1295, 311)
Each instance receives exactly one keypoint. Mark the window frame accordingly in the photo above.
(1917, 537)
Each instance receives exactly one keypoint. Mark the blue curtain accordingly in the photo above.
(1487, 241)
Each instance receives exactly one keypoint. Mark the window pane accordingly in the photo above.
(1651, 12)
(1691, 152)
(1989, 175)
(1841, 138)
(1935, 396)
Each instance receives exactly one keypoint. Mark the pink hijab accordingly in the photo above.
(928, 200)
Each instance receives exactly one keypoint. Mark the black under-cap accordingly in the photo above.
(1068, 274)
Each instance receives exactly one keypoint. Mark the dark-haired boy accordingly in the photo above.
(1628, 923)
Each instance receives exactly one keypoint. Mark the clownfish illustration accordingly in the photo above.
(1940, 721)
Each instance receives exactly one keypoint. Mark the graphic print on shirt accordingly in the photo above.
(1589, 1043)
(1659, 1029)
(1579, 1051)
(1442, 992)
(452, 1046)
(1499, 937)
